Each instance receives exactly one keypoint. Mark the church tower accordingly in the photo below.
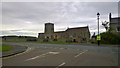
(49, 30)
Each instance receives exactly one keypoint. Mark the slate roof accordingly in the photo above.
(115, 20)
(86, 27)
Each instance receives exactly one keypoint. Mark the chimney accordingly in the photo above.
(110, 17)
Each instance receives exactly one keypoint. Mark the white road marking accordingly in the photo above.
(53, 52)
(42, 55)
(80, 53)
(28, 50)
(61, 65)
(36, 57)
(33, 58)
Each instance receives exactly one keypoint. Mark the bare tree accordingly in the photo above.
(106, 25)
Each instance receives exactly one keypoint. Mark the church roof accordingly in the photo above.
(48, 23)
(115, 20)
(75, 28)
(86, 27)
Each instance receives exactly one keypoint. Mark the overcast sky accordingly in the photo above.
(28, 18)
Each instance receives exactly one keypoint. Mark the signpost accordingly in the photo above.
(98, 37)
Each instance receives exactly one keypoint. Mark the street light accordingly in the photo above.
(98, 37)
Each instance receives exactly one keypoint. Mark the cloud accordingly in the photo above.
(60, 0)
(18, 33)
(31, 16)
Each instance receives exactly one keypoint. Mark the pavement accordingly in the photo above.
(63, 55)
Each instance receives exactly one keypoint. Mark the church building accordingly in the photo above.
(77, 34)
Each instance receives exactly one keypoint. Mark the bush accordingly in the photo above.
(54, 39)
(45, 40)
(31, 39)
(110, 38)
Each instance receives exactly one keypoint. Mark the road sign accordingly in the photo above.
(98, 37)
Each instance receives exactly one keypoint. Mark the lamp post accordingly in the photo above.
(98, 14)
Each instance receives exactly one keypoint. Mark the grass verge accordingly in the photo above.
(4, 48)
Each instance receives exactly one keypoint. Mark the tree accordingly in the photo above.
(106, 25)
(94, 36)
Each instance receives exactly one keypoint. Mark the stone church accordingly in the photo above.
(77, 34)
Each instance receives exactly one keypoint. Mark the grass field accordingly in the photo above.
(5, 48)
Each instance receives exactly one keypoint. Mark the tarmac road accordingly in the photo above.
(63, 55)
